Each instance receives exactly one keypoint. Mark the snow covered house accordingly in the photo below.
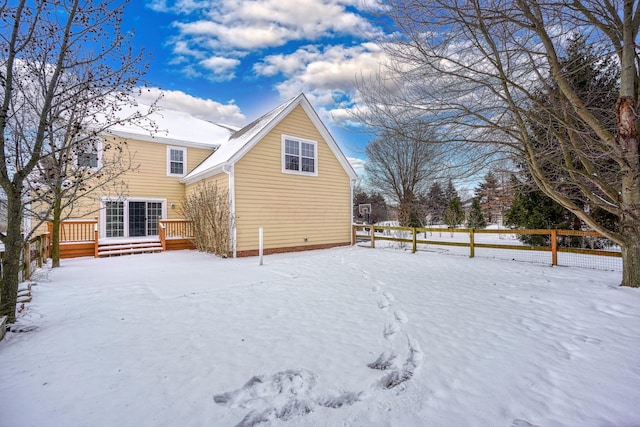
(284, 172)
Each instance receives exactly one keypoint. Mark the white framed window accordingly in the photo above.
(176, 161)
(88, 153)
(299, 156)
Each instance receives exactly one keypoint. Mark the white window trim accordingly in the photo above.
(99, 147)
(315, 155)
(184, 160)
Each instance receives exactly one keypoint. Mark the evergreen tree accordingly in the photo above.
(454, 214)
(488, 193)
(450, 192)
(435, 203)
(532, 209)
(476, 217)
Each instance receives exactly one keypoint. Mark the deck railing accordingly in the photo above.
(77, 230)
(177, 228)
(175, 234)
(564, 247)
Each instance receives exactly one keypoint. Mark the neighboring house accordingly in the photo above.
(284, 172)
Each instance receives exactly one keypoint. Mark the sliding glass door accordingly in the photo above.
(132, 218)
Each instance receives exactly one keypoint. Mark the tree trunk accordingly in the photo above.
(627, 122)
(13, 244)
(55, 233)
(631, 262)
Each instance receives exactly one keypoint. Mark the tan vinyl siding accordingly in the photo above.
(221, 180)
(291, 207)
(148, 178)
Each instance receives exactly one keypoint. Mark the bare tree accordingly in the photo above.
(401, 168)
(66, 69)
(475, 69)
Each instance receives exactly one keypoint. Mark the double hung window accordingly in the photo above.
(299, 156)
(176, 161)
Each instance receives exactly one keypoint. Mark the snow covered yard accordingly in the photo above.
(187, 339)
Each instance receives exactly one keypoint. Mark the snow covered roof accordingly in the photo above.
(244, 139)
(173, 127)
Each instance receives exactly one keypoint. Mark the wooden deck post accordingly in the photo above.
(162, 232)
(95, 240)
(554, 247)
(353, 235)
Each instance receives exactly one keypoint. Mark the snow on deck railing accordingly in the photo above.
(558, 247)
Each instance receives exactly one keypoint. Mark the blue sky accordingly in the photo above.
(231, 61)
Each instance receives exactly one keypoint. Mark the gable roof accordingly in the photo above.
(173, 127)
(242, 141)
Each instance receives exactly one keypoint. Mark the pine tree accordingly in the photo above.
(476, 217)
(435, 203)
(450, 192)
(454, 214)
(488, 193)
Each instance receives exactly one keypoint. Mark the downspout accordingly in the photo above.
(228, 169)
(352, 184)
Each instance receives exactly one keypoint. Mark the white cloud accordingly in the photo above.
(357, 165)
(233, 28)
(221, 67)
(326, 75)
(205, 109)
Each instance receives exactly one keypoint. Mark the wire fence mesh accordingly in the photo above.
(571, 248)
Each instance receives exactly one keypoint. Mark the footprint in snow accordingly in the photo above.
(401, 316)
(390, 329)
(389, 296)
(521, 423)
(384, 361)
(384, 304)
(414, 361)
(283, 395)
(376, 289)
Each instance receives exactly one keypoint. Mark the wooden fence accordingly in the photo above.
(574, 242)
(35, 253)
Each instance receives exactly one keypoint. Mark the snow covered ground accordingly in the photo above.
(340, 337)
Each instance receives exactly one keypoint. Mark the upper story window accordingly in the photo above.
(299, 156)
(176, 161)
(88, 152)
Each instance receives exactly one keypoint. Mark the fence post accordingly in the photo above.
(27, 261)
(414, 241)
(373, 237)
(40, 250)
(353, 235)
(554, 247)
(472, 247)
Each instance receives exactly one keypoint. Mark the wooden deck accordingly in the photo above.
(80, 239)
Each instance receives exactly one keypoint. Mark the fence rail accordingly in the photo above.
(35, 253)
(556, 247)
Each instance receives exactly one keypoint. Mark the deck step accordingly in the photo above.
(109, 249)
(129, 245)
